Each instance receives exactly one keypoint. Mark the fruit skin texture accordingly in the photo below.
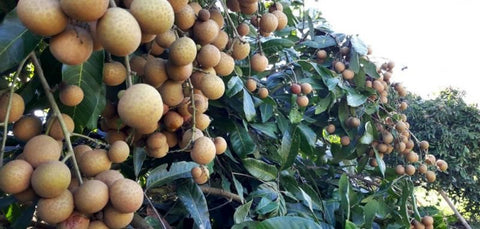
(118, 152)
(208, 56)
(56, 130)
(44, 17)
(240, 49)
(154, 16)
(126, 195)
(115, 219)
(119, 32)
(73, 46)
(302, 101)
(27, 127)
(268, 23)
(183, 51)
(71, 95)
(75, 221)
(212, 86)
(97, 224)
(91, 196)
(57, 209)
(51, 179)
(17, 107)
(263, 93)
(109, 177)
(226, 65)
(94, 162)
(205, 31)
(140, 106)
(114, 73)
(258, 62)
(84, 10)
(431, 177)
(172, 93)
(15, 176)
(203, 151)
(220, 145)
(251, 85)
(40, 149)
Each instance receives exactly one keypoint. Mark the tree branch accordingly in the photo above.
(221, 192)
(450, 204)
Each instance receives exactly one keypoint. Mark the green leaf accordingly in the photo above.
(367, 137)
(25, 218)
(291, 222)
(370, 210)
(350, 225)
(238, 187)
(268, 129)
(234, 86)
(194, 201)
(354, 99)
(284, 151)
(16, 41)
(7, 200)
(370, 68)
(323, 104)
(320, 42)
(354, 61)
(275, 45)
(344, 191)
(308, 134)
(241, 213)
(358, 45)
(139, 156)
(266, 111)
(295, 115)
(381, 163)
(260, 169)
(161, 176)
(242, 143)
(248, 107)
(88, 76)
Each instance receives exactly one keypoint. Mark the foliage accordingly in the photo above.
(282, 166)
(453, 129)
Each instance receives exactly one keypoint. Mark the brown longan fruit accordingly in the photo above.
(97, 224)
(282, 19)
(233, 5)
(226, 65)
(16, 110)
(116, 219)
(84, 10)
(91, 196)
(56, 209)
(243, 29)
(258, 62)
(263, 93)
(44, 17)
(158, 152)
(202, 121)
(251, 85)
(302, 101)
(248, 7)
(203, 151)
(422, 168)
(185, 18)
(203, 15)
(221, 40)
(306, 88)
(296, 88)
(166, 39)
(71, 95)
(56, 129)
(322, 54)
(430, 176)
(155, 72)
(79, 150)
(190, 136)
(331, 128)
(76, 220)
(410, 170)
(179, 73)
(212, 86)
(268, 23)
(339, 66)
(114, 73)
(94, 162)
(200, 174)
(240, 49)
(118, 152)
(205, 32)
(183, 51)
(178, 5)
(424, 145)
(173, 120)
(217, 16)
(72, 46)
(109, 176)
(208, 56)
(126, 195)
(156, 140)
(153, 16)
(442, 165)
(172, 93)
(345, 140)
(15, 176)
(348, 74)
(387, 137)
(172, 139)
(41, 149)
(427, 220)
(220, 145)
(51, 179)
(400, 169)
(412, 157)
(27, 127)
(430, 159)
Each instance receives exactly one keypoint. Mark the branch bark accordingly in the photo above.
(221, 192)
(454, 209)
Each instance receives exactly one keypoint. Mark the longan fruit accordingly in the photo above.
(41, 149)
(27, 127)
(410, 170)
(221, 40)
(172, 120)
(251, 85)
(94, 162)
(56, 129)
(109, 176)
(430, 176)
(16, 110)
(268, 22)
(348, 74)
(91, 196)
(90, 10)
(15, 176)
(72, 46)
(56, 209)
(400, 169)
(126, 195)
(153, 16)
(182, 51)
(44, 17)
(51, 179)
(226, 65)
(331, 128)
(203, 151)
(205, 32)
(282, 19)
(220, 145)
(442, 165)
(258, 62)
(208, 56)
(243, 29)
(114, 218)
(322, 54)
(263, 93)
(155, 72)
(345, 140)
(339, 66)
(140, 106)
(114, 73)
(118, 152)
(422, 168)
(302, 101)
(71, 95)
(185, 18)
(296, 88)
(166, 39)
(424, 145)
(203, 15)
(240, 49)
(306, 88)
(212, 86)
(202, 121)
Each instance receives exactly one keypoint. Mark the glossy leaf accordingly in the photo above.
(88, 76)
(359, 46)
(248, 107)
(284, 150)
(370, 68)
(260, 169)
(25, 218)
(238, 187)
(241, 213)
(367, 137)
(308, 134)
(344, 191)
(380, 162)
(139, 156)
(269, 129)
(291, 222)
(194, 201)
(354, 61)
(370, 209)
(266, 111)
(16, 41)
(323, 104)
(350, 225)
(234, 86)
(355, 99)
(242, 143)
(161, 176)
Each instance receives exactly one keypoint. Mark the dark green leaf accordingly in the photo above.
(344, 191)
(194, 201)
(381, 163)
(360, 79)
(269, 129)
(16, 41)
(248, 107)
(25, 218)
(331, 82)
(284, 151)
(88, 76)
(358, 45)
(330, 207)
(367, 137)
(161, 176)
(241, 213)
(354, 61)
(234, 86)
(323, 104)
(291, 222)
(321, 42)
(266, 111)
(139, 156)
(355, 99)
(370, 210)
(295, 115)
(308, 133)
(370, 68)
(275, 45)
(260, 169)
(242, 143)
(238, 187)
(5, 201)
(350, 225)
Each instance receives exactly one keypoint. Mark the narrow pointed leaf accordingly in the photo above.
(139, 156)
(194, 201)
(248, 106)
(242, 143)
(260, 169)
(161, 176)
(241, 213)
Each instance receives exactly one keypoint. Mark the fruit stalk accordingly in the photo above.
(154, 210)
(129, 72)
(230, 21)
(221, 192)
(9, 107)
(97, 142)
(58, 114)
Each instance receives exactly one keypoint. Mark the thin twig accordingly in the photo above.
(229, 19)
(9, 108)
(155, 210)
(58, 114)
(97, 141)
(129, 72)
(454, 209)
(221, 192)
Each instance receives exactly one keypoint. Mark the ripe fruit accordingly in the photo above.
(348, 74)
(178, 5)
(94, 162)
(172, 93)
(240, 49)
(71, 95)
(126, 195)
(243, 29)
(282, 19)
(109, 176)
(339, 66)
(205, 31)
(56, 129)
(422, 168)
(258, 62)
(410, 170)
(430, 159)
(114, 73)
(158, 152)
(302, 101)
(113, 218)
(203, 15)
(427, 220)
(183, 51)
(27, 127)
(118, 152)
(44, 17)
(400, 170)
(442, 165)
(119, 32)
(202, 121)
(165, 39)
(91, 196)
(251, 85)
(353, 122)
(221, 40)
(387, 137)
(345, 140)
(179, 73)
(208, 56)
(216, 16)
(73, 46)
(156, 140)
(306, 88)
(153, 16)
(322, 54)
(76, 220)
(200, 174)
(97, 224)
(50, 179)
(226, 65)
(172, 139)
(220, 145)
(431, 177)
(331, 128)
(15, 176)
(16, 110)
(190, 136)
(412, 157)
(88, 10)
(40, 149)
(203, 151)
(263, 92)
(296, 88)
(57, 209)
(268, 23)
(403, 106)
(212, 86)
(155, 72)
(185, 18)
(140, 106)
(424, 145)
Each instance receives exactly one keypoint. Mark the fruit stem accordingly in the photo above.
(194, 109)
(112, 3)
(59, 116)
(154, 210)
(229, 19)
(129, 72)
(9, 108)
(220, 192)
(97, 142)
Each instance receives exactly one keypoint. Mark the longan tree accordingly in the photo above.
(236, 113)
